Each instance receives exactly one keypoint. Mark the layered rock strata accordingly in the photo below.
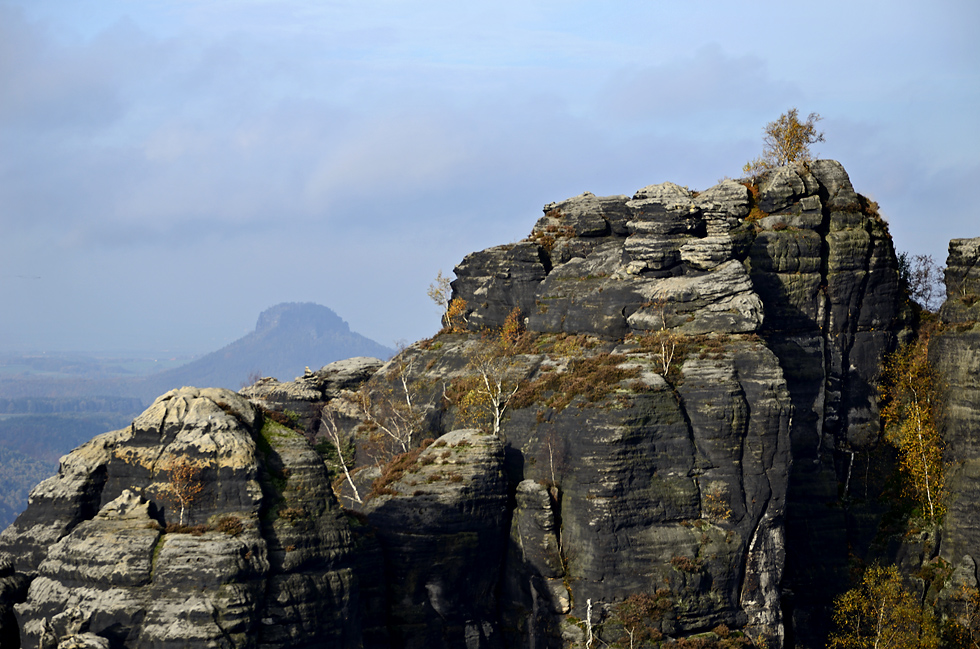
(441, 528)
(799, 258)
(955, 352)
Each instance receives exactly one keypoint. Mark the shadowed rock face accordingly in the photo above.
(711, 478)
(955, 353)
(442, 530)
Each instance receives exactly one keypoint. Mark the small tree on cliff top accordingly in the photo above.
(787, 140)
(440, 291)
(454, 309)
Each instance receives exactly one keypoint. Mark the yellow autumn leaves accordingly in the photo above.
(910, 403)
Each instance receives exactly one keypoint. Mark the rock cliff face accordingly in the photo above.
(956, 354)
(679, 418)
(442, 527)
(794, 282)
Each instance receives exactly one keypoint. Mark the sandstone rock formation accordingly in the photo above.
(307, 393)
(441, 527)
(264, 550)
(955, 351)
(799, 259)
(685, 416)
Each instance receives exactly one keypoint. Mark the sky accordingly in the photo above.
(170, 168)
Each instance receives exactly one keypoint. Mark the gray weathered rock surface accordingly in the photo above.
(306, 394)
(268, 564)
(442, 527)
(956, 353)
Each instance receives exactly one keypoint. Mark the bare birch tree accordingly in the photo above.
(391, 409)
(493, 361)
(497, 389)
(911, 398)
(328, 423)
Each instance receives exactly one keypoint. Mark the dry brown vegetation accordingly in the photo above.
(395, 469)
(591, 377)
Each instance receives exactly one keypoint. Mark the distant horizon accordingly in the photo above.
(152, 354)
(144, 354)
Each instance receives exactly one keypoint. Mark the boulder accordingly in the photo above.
(306, 393)
(497, 280)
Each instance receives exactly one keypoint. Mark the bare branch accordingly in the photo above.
(328, 421)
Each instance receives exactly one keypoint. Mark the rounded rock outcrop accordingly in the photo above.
(187, 529)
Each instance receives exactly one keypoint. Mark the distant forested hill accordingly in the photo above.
(31, 445)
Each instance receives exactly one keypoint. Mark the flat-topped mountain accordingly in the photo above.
(287, 338)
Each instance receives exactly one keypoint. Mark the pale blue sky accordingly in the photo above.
(170, 168)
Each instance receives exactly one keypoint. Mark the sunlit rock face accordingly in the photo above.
(788, 285)
(263, 557)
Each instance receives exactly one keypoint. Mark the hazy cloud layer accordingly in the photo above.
(173, 167)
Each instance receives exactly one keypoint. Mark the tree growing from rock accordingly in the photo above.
(881, 613)
(922, 279)
(328, 423)
(488, 396)
(440, 291)
(455, 318)
(963, 627)
(555, 454)
(494, 390)
(391, 410)
(184, 485)
(786, 141)
(911, 399)
(664, 339)
(453, 309)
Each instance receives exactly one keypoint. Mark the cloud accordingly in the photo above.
(387, 157)
(57, 88)
(709, 81)
(244, 153)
